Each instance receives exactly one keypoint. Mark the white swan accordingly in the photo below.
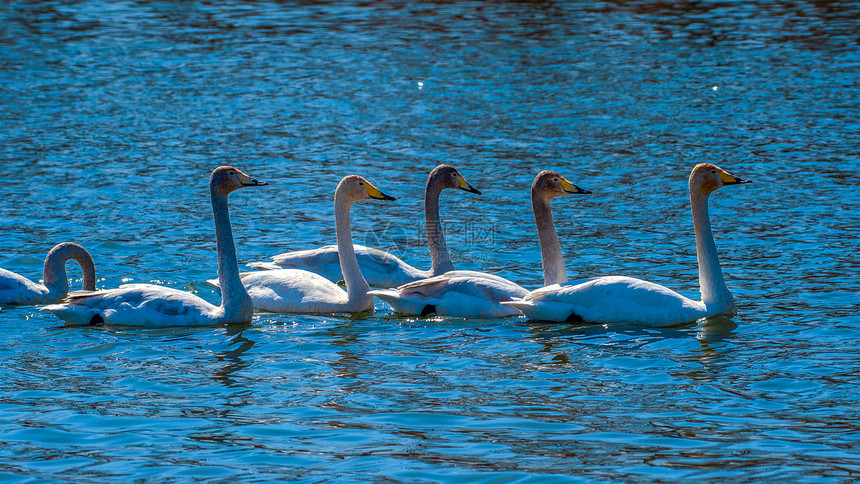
(380, 268)
(16, 289)
(151, 305)
(477, 294)
(298, 291)
(618, 299)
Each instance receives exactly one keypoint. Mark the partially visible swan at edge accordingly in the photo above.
(477, 294)
(618, 299)
(298, 291)
(17, 289)
(380, 268)
(151, 305)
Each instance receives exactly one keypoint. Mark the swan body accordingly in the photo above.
(380, 268)
(150, 305)
(300, 291)
(610, 299)
(616, 299)
(143, 305)
(17, 289)
(467, 294)
(478, 294)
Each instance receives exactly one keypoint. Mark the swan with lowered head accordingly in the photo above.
(477, 294)
(618, 299)
(17, 289)
(299, 291)
(151, 305)
(380, 268)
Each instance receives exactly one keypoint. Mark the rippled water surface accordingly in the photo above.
(112, 114)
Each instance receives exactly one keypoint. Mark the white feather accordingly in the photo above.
(379, 268)
(455, 293)
(145, 305)
(611, 299)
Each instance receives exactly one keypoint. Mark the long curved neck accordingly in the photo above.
(439, 256)
(234, 298)
(356, 285)
(550, 248)
(711, 282)
(54, 272)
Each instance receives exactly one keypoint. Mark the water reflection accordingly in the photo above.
(715, 329)
(234, 359)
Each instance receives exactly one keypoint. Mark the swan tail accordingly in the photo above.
(543, 311)
(401, 305)
(75, 315)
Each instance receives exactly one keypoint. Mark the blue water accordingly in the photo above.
(112, 114)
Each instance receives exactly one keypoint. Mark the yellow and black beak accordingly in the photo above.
(247, 181)
(569, 187)
(729, 179)
(374, 192)
(462, 184)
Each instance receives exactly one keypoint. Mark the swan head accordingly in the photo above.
(550, 184)
(354, 188)
(227, 179)
(707, 178)
(446, 176)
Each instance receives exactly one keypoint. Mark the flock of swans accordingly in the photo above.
(306, 281)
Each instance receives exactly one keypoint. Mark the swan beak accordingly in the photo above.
(375, 194)
(571, 188)
(462, 184)
(250, 182)
(729, 179)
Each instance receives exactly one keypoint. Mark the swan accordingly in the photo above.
(151, 305)
(380, 268)
(477, 294)
(618, 299)
(299, 291)
(16, 289)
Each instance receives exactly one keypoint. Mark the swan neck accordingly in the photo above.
(711, 282)
(54, 272)
(550, 248)
(356, 285)
(439, 256)
(234, 298)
